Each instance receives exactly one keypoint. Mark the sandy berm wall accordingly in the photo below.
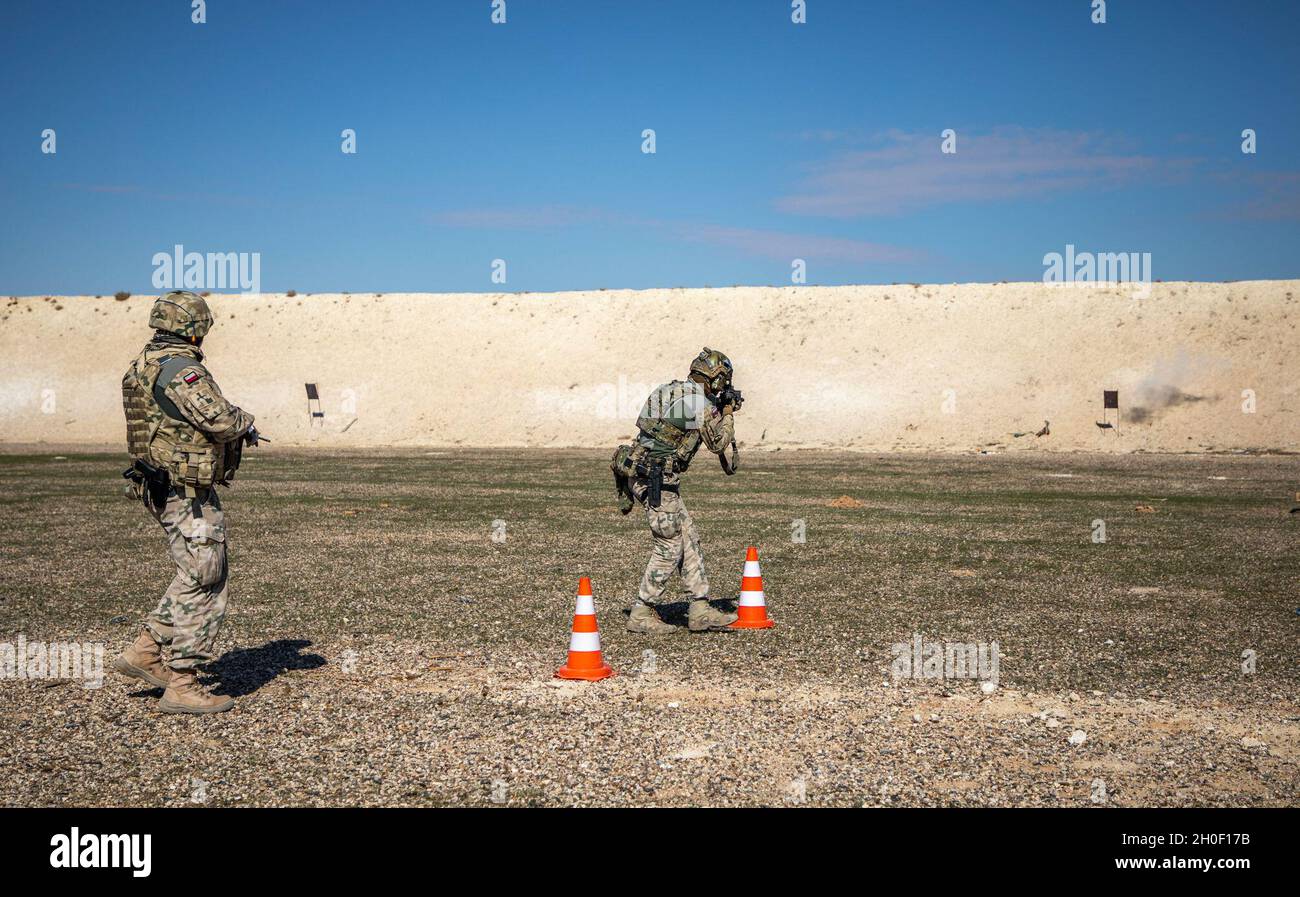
(949, 368)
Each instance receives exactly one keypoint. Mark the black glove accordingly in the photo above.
(252, 437)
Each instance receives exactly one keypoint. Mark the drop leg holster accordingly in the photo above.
(155, 482)
(653, 474)
(654, 485)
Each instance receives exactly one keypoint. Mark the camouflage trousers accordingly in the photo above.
(676, 548)
(190, 613)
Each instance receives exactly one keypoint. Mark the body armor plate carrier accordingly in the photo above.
(158, 434)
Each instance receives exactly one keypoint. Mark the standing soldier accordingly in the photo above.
(672, 423)
(185, 438)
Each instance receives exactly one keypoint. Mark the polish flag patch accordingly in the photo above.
(191, 378)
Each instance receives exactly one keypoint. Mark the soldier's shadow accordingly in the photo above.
(244, 670)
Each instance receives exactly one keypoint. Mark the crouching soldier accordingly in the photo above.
(185, 438)
(676, 418)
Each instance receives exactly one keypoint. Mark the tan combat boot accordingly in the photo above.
(185, 695)
(703, 617)
(143, 660)
(645, 618)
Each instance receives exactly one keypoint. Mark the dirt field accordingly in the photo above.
(386, 650)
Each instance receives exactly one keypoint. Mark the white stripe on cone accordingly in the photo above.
(584, 641)
(752, 599)
(586, 607)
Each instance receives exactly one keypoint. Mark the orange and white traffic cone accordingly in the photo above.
(753, 606)
(585, 660)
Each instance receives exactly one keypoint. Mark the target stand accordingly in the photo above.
(315, 416)
(1109, 403)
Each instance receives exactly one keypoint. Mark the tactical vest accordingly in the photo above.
(158, 434)
(666, 422)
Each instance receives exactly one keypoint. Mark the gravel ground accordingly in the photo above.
(387, 650)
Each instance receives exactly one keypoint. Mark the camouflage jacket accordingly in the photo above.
(176, 417)
(676, 418)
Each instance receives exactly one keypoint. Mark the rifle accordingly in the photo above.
(730, 397)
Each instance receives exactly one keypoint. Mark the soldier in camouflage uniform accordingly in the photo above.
(185, 438)
(675, 419)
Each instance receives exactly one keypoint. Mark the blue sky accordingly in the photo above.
(523, 141)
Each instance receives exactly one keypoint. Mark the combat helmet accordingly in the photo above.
(183, 313)
(715, 369)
